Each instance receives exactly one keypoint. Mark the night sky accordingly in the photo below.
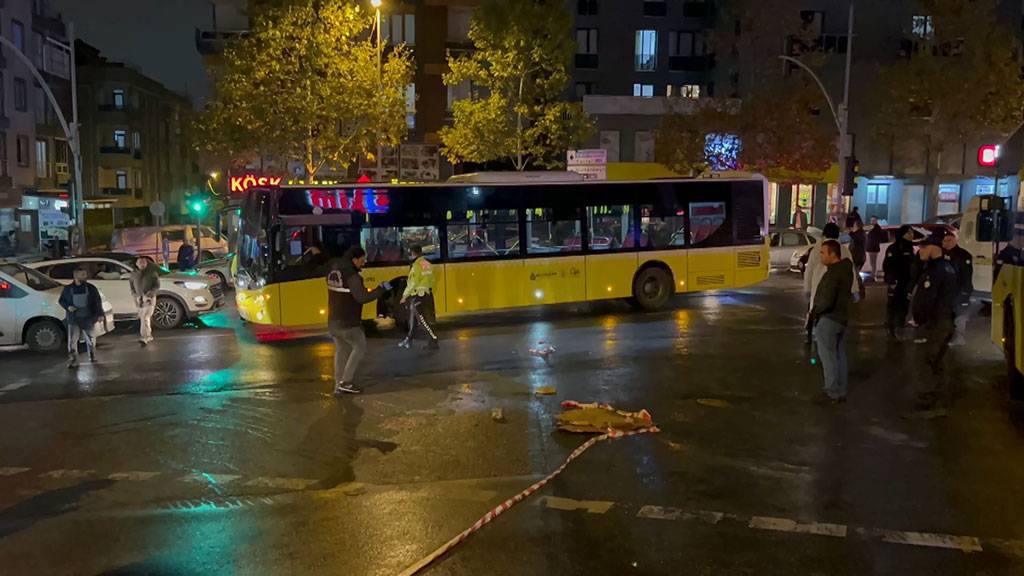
(157, 36)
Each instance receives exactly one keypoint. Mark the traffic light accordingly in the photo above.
(197, 204)
(850, 177)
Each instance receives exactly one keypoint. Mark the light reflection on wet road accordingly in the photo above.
(208, 453)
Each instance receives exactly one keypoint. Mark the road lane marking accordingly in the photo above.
(930, 540)
(206, 478)
(15, 385)
(133, 476)
(668, 513)
(65, 473)
(12, 470)
(788, 525)
(286, 483)
(568, 504)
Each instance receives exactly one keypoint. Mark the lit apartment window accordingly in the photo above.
(646, 50)
(22, 151)
(122, 179)
(120, 139)
(586, 40)
(643, 90)
(118, 99)
(136, 140)
(922, 27)
(18, 35)
(690, 91)
(402, 28)
(42, 160)
(20, 95)
(138, 178)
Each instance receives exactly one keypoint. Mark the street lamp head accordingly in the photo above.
(214, 175)
(375, 3)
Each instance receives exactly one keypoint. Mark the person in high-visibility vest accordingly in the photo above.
(419, 297)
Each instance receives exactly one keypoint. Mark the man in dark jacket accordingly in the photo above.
(145, 284)
(897, 266)
(84, 307)
(854, 217)
(876, 237)
(933, 307)
(831, 312)
(186, 255)
(345, 298)
(962, 262)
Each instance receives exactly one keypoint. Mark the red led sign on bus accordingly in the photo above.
(244, 182)
(365, 200)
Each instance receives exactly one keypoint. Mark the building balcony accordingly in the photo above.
(691, 63)
(656, 106)
(120, 192)
(212, 42)
(115, 150)
(586, 61)
(53, 26)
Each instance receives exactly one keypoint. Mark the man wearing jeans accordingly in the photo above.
(84, 308)
(345, 298)
(831, 313)
(145, 284)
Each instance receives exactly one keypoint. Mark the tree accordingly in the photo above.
(519, 76)
(960, 81)
(776, 117)
(305, 86)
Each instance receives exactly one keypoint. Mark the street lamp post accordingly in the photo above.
(840, 115)
(380, 81)
(70, 130)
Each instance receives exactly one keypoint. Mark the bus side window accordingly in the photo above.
(483, 233)
(550, 230)
(390, 245)
(709, 224)
(662, 228)
(611, 227)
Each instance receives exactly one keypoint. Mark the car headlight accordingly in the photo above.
(194, 285)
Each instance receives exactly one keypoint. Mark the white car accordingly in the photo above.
(219, 268)
(182, 296)
(788, 245)
(30, 311)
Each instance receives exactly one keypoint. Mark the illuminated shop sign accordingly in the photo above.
(244, 182)
(365, 200)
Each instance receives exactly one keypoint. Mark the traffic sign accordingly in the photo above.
(157, 209)
(590, 157)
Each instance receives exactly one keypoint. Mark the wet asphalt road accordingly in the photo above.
(207, 453)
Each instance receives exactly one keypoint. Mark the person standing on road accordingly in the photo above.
(145, 284)
(854, 217)
(897, 266)
(81, 300)
(1012, 254)
(419, 298)
(815, 271)
(875, 238)
(186, 255)
(933, 308)
(962, 263)
(800, 218)
(831, 312)
(858, 246)
(345, 298)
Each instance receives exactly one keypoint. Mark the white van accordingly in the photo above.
(30, 311)
(153, 241)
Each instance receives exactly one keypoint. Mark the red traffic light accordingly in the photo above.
(988, 155)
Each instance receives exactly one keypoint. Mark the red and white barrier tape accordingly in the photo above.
(504, 506)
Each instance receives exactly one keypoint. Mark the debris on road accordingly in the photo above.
(597, 418)
(466, 389)
(545, 391)
(713, 402)
(498, 415)
(543, 350)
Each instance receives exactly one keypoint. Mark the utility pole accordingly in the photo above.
(380, 83)
(845, 147)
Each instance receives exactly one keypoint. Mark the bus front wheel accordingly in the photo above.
(1016, 379)
(652, 288)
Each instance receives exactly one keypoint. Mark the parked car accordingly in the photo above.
(218, 268)
(30, 311)
(182, 296)
(153, 240)
(785, 243)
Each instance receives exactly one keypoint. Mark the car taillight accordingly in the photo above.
(4, 285)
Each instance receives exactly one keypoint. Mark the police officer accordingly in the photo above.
(897, 266)
(419, 297)
(962, 262)
(933, 306)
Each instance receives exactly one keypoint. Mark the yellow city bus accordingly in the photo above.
(500, 245)
(997, 223)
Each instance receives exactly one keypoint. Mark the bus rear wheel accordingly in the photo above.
(652, 288)
(1014, 376)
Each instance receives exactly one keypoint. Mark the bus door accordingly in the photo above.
(984, 230)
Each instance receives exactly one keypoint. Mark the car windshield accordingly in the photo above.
(35, 280)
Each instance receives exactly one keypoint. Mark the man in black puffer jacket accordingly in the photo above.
(345, 298)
